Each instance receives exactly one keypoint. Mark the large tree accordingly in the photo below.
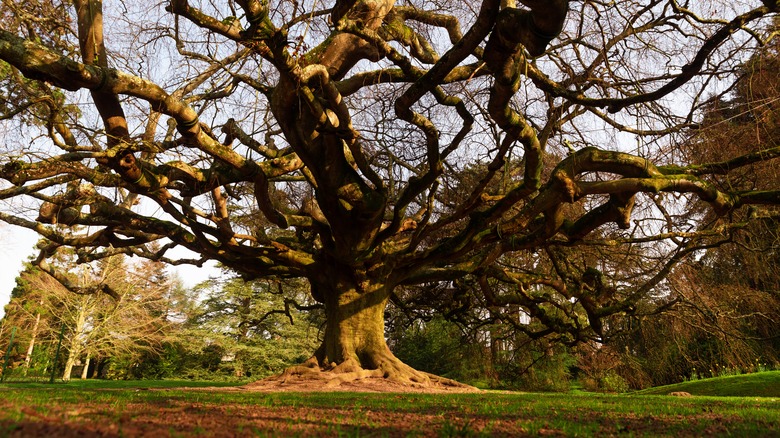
(369, 146)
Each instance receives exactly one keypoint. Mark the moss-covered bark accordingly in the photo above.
(353, 345)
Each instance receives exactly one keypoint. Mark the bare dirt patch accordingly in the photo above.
(323, 383)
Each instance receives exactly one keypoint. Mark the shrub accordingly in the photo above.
(612, 382)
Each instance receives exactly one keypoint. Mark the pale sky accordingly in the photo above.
(17, 245)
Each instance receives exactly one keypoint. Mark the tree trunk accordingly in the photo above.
(68, 366)
(354, 345)
(355, 327)
(94, 374)
(85, 369)
(75, 346)
(31, 345)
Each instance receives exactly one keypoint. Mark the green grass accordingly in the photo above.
(764, 384)
(127, 405)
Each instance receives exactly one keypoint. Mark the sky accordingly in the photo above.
(17, 244)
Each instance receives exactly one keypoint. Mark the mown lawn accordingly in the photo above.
(155, 408)
(765, 384)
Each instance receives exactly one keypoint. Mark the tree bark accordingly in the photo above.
(355, 322)
(353, 345)
(69, 366)
(31, 345)
(94, 374)
(84, 371)
(75, 347)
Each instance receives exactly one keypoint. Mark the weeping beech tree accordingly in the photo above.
(370, 146)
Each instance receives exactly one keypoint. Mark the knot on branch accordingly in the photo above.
(177, 6)
(66, 208)
(622, 206)
(51, 213)
(564, 181)
(14, 172)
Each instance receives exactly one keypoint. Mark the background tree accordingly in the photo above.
(290, 141)
(97, 325)
(27, 312)
(257, 325)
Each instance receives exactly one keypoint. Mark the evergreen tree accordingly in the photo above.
(259, 326)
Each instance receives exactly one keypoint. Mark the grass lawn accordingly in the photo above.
(159, 408)
(766, 384)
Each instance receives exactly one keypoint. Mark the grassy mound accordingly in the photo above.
(765, 384)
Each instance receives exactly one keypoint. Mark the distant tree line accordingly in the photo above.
(143, 323)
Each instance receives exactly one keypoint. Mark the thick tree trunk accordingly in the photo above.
(354, 345)
(355, 327)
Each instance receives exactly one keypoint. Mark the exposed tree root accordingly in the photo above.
(389, 375)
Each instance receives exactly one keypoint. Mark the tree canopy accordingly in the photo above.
(524, 156)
